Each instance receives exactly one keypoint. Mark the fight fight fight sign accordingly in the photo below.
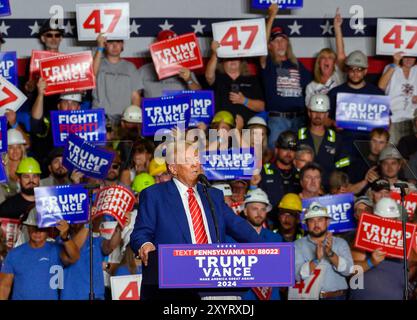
(89, 125)
(165, 113)
(34, 61)
(11, 98)
(226, 265)
(3, 134)
(116, 201)
(229, 164)
(375, 232)
(8, 67)
(340, 207)
(109, 18)
(68, 73)
(69, 203)
(93, 161)
(170, 55)
(241, 38)
(202, 105)
(283, 4)
(396, 35)
(362, 112)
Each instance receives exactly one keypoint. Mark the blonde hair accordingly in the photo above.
(317, 71)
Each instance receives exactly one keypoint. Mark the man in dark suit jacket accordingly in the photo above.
(165, 213)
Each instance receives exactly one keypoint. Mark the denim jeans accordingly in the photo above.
(279, 124)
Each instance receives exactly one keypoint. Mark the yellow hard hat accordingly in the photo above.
(142, 181)
(291, 201)
(157, 166)
(224, 116)
(28, 165)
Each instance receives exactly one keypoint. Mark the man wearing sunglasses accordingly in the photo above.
(357, 68)
(51, 36)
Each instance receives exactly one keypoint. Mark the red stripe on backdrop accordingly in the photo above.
(376, 64)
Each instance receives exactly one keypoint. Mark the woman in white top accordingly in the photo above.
(399, 81)
(329, 65)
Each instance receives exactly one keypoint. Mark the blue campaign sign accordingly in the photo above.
(226, 265)
(93, 161)
(8, 67)
(69, 203)
(340, 207)
(3, 134)
(165, 113)
(5, 8)
(3, 175)
(202, 105)
(229, 164)
(283, 4)
(362, 112)
(89, 125)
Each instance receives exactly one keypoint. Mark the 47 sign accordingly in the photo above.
(112, 19)
(242, 38)
(308, 289)
(396, 35)
(126, 287)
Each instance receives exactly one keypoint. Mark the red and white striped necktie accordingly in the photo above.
(196, 218)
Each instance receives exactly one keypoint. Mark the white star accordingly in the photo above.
(198, 27)
(68, 27)
(327, 28)
(34, 28)
(134, 27)
(3, 28)
(295, 28)
(360, 27)
(166, 25)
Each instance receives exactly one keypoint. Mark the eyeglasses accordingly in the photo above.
(356, 69)
(53, 35)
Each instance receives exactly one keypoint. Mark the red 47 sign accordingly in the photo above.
(109, 18)
(126, 287)
(396, 35)
(242, 38)
(308, 289)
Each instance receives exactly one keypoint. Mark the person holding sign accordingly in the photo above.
(117, 80)
(151, 86)
(285, 79)
(178, 212)
(35, 269)
(383, 276)
(399, 81)
(320, 249)
(40, 121)
(235, 89)
(328, 146)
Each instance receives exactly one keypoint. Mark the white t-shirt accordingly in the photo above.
(401, 92)
(337, 78)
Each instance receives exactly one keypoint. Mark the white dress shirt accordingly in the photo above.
(183, 190)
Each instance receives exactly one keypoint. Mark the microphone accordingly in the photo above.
(203, 180)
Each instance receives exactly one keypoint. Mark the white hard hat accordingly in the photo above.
(71, 96)
(258, 195)
(357, 59)
(319, 103)
(14, 136)
(132, 114)
(387, 208)
(257, 121)
(225, 188)
(316, 210)
(389, 152)
(31, 219)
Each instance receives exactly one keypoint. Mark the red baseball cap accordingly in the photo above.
(165, 35)
(277, 32)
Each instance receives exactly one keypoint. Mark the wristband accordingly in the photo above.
(369, 263)
(316, 261)
(14, 126)
(392, 65)
(101, 49)
(253, 187)
(245, 103)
